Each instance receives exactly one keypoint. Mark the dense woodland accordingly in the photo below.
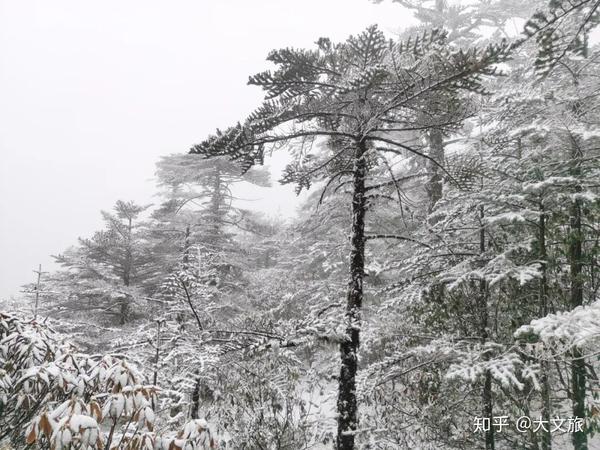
(442, 272)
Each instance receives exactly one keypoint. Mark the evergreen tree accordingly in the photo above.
(358, 95)
(110, 268)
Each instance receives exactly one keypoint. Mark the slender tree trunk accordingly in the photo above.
(196, 399)
(578, 370)
(215, 207)
(487, 396)
(157, 355)
(435, 136)
(124, 308)
(37, 291)
(186, 248)
(546, 437)
(488, 410)
(436, 151)
(346, 403)
(124, 303)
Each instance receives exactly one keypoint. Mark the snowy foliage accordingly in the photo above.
(469, 206)
(64, 399)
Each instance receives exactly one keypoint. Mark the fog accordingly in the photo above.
(92, 93)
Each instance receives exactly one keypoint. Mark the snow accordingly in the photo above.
(77, 422)
(564, 330)
(541, 186)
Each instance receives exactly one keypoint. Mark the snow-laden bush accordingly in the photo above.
(53, 397)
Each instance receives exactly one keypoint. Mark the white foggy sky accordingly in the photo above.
(93, 92)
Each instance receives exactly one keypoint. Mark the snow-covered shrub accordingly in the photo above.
(53, 397)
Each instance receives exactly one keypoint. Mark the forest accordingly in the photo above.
(438, 288)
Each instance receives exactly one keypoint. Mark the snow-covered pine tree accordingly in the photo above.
(204, 189)
(466, 24)
(567, 199)
(360, 95)
(561, 28)
(107, 272)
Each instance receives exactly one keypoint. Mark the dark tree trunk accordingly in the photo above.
(487, 396)
(186, 248)
(578, 370)
(436, 152)
(124, 307)
(215, 206)
(546, 438)
(123, 310)
(124, 303)
(196, 400)
(488, 410)
(346, 403)
(157, 354)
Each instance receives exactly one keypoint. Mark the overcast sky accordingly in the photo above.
(93, 92)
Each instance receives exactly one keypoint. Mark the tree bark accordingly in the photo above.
(124, 307)
(157, 355)
(546, 438)
(347, 403)
(196, 399)
(436, 152)
(186, 248)
(37, 291)
(215, 206)
(487, 395)
(578, 370)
